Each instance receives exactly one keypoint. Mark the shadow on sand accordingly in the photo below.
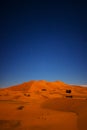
(78, 106)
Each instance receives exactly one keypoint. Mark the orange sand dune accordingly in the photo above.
(43, 105)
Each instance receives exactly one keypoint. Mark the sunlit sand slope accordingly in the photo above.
(43, 105)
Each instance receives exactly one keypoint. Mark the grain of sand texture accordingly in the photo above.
(43, 105)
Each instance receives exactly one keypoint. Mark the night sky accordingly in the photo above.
(43, 40)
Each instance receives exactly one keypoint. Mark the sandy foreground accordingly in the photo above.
(43, 109)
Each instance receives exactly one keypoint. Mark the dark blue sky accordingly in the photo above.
(43, 40)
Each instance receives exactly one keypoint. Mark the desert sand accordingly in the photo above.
(43, 105)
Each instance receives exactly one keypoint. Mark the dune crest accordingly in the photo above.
(34, 82)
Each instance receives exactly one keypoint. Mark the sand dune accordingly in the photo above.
(43, 105)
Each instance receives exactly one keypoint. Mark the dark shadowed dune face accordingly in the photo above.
(9, 124)
(65, 104)
(78, 106)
